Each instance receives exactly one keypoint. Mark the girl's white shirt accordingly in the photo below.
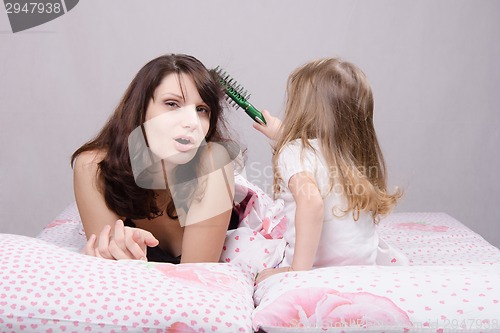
(344, 241)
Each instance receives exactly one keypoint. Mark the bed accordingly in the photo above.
(451, 284)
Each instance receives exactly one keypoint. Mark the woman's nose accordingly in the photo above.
(189, 117)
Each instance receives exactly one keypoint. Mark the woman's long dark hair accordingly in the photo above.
(117, 183)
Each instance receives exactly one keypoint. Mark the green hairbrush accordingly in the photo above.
(237, 97)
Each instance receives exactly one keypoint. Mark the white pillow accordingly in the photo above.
(46, 288)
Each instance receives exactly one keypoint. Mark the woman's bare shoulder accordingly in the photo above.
(218, 154)
(89, 159)
(87, 162)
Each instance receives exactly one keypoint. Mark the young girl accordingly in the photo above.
(329, 168)
(162, 143)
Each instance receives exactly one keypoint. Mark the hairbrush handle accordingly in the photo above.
(255, 114)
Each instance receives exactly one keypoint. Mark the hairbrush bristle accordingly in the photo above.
(237, 96)
(229, 83)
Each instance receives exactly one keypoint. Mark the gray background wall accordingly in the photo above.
(434, 68)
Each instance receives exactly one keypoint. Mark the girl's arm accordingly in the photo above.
(308, 219)
(107, 237)
(308, 224)
(208, 218)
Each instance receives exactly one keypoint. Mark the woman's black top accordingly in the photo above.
(159, 255)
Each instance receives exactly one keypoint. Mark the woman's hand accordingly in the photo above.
(272, 128)
(270, 272)
(122, 243)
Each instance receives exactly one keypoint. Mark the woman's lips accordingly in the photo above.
(184, 143)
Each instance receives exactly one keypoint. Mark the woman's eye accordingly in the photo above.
(202, 109)
(171, 104)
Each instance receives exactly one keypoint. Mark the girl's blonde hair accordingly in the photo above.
(331, 100)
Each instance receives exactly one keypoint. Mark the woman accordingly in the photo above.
(128, 204)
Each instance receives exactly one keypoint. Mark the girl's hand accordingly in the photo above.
(122, 243)
(273, 127)
(270, 272)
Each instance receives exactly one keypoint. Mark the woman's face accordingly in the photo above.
(177, 120)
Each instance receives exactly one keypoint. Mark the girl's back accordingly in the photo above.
(344, 241)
